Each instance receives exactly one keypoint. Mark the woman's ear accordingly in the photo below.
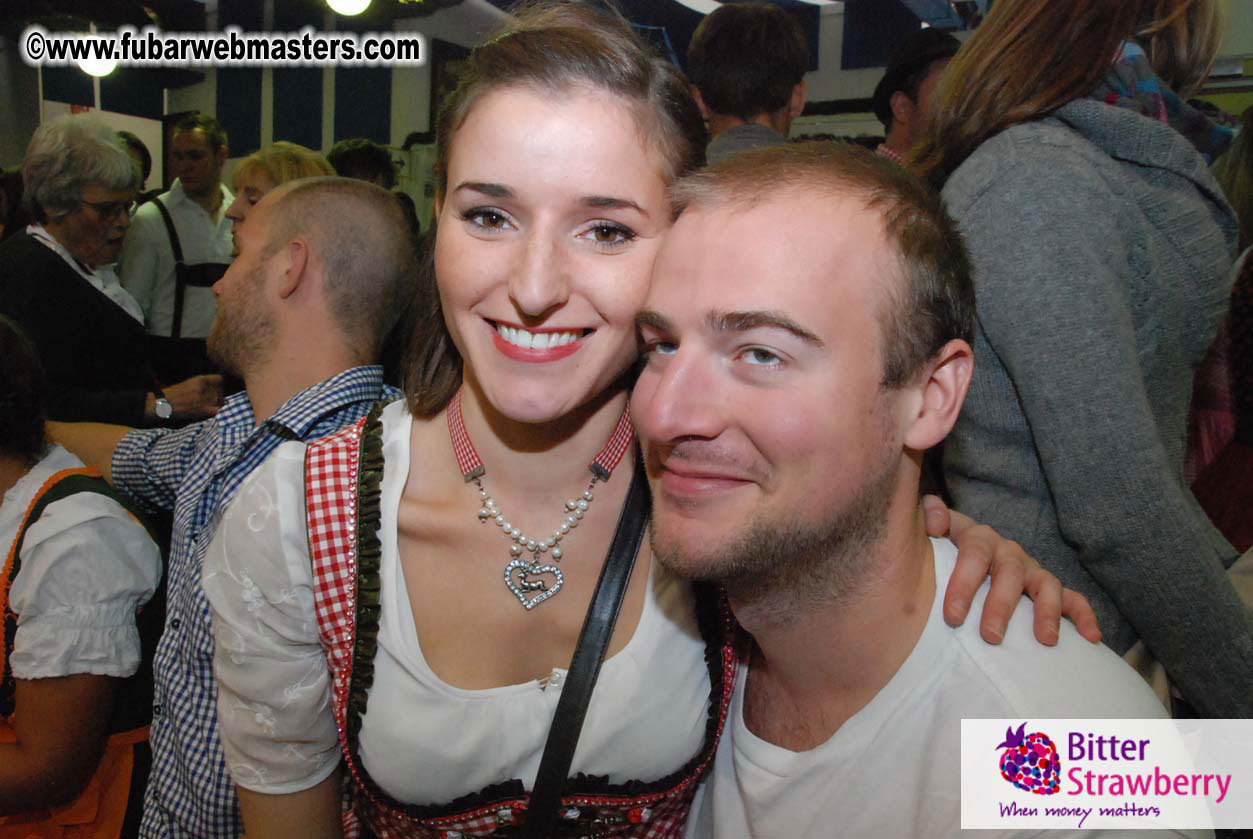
(943, 385)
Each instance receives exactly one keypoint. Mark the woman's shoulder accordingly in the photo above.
(1030, 163)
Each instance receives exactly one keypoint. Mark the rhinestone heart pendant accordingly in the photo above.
(520, 578)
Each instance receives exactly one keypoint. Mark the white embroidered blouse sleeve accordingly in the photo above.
(87, 566)
(274, 700)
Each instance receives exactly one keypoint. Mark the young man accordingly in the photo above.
(807, 341)
(195, 208)
(324, 265)
(747, 64)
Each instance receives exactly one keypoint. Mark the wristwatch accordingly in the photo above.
(161, 406)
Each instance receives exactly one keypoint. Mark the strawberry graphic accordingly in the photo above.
(1030, 762)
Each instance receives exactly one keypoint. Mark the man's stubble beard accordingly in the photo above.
(783, 568)
(243, 332)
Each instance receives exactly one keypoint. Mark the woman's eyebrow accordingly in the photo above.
(491, 190)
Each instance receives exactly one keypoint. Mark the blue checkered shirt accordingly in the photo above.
(195, 471)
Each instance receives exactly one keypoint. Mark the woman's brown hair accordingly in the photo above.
(1030, 57)
(1234, 173)
(553, 46)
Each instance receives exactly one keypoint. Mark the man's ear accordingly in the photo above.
(903, 108)
(700, 102)
(942, 384)
(296, 271)
(796, 104)
(222, 154)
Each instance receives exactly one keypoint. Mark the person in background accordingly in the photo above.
(322, 270)
(747, 65)
(1223, 481)
(56, 283)
(179, 244)
(364, 160)
(143, 158)
(903, 96)
(267, 168)
(75, 677)
(1102, 251)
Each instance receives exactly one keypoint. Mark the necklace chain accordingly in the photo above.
(526, 578)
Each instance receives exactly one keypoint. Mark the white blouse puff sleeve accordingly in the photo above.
(274, 699)
(86, 568)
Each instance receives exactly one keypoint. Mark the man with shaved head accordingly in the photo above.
(323, 266)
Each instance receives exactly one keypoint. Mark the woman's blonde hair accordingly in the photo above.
(1234, 172)
(554, 47)
(282, 162)
(1030, 57)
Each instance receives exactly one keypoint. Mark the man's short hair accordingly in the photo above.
(931, 303)
(364, 160)
(214, 133)
(137, 146)
(746, 58)
(361, 236)
(23, 391)
(909, 65)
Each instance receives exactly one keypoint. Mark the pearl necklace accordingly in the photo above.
(526, 578)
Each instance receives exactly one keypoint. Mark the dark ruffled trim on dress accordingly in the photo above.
(712, 617)
(369, 553)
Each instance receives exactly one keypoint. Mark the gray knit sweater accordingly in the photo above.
(1102, 250)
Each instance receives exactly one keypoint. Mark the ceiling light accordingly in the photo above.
(98, 67)
(348, 8)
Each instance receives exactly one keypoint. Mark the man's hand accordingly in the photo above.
(980, 551)
(197, 397)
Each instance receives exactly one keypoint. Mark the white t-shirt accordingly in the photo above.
(892, 770)
(86, 566)
(424, 741)
(147, 260)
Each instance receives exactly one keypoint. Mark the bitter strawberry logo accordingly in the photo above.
(1030, 762)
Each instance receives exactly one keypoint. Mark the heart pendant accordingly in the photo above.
(525, 588)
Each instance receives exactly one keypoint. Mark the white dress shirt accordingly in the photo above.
(147, 261)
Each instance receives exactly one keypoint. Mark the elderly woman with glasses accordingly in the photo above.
(56, 282)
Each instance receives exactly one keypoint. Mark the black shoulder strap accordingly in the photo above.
(180, 284)
(602, 614)
(175, 245)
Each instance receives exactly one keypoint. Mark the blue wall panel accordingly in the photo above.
(239, 107)
(363, 103)
(134, 91)
(298, 105)
(68, 84)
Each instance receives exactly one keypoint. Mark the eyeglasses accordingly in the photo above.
(109, 210)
